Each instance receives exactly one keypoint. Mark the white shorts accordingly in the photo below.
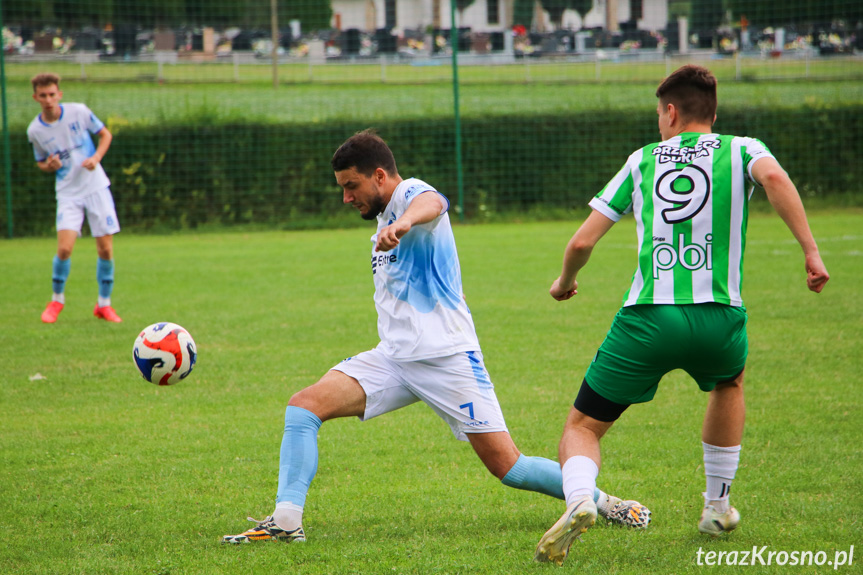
(99, 207)
(457, 387)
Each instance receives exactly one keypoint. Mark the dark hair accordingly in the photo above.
(692, 90)
(365, 151)
(45, 79)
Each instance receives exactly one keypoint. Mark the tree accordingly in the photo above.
(678, 9)
(522, 13)
(461, 6)
(799, 12)
(147, 13)
(582, 7)
(707, 14)
(22, 11)
(312, 14)
(555, 9)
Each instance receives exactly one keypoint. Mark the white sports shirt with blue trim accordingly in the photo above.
(689, 195)
(69, 137)
(418, 289)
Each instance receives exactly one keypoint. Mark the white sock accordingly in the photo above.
(720, 466)
(288, 515)
(603, 503)
(579, 478)
(60, 297)
(104, 301)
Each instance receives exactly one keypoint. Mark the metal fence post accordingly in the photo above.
(274, 32)
(7, 157)
(453, 37)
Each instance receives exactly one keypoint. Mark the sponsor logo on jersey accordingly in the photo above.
(685, 154)
(475, 423)
(381, 260)
(691, 256)
(414, 190)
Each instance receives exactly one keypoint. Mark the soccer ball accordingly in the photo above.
(164, 353)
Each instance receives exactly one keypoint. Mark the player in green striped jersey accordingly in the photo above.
(688, 195)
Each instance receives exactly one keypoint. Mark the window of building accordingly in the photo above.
(493, 10)
(389, 14)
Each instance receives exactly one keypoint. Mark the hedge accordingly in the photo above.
(278, 175)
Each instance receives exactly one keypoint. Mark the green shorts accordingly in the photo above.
(645, 342)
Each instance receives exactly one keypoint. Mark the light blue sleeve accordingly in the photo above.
(416, 189)
(38, 153)
(94, 124)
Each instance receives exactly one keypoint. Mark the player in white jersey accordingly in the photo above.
(428, 348)
(62, 145)
(684, 310)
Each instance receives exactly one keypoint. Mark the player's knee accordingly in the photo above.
(302, 399)
(310, 400)
(64, 253)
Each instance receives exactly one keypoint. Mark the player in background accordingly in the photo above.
(428, 348)
(62, 145)
(684, 310)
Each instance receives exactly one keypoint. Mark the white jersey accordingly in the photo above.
(418, 291)
(69, 137)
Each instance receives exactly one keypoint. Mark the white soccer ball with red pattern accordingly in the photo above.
(164, 353)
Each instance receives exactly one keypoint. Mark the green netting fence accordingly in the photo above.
(226, 113)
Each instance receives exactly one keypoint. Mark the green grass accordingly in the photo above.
(142, 103)
(473, 69)
(101, 472)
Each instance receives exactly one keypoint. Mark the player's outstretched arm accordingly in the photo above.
(423, 209)
(577, 254)
(786, 201)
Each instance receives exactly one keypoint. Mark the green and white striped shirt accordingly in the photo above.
(689, 195)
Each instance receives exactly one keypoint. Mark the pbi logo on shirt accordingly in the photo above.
(382, 259)
(691, 256)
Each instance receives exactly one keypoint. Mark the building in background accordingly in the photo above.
(492, 15)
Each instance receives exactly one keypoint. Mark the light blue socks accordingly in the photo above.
(538, 474)
(298, 463)
(105, 277)
(298, 458)
(60, 273)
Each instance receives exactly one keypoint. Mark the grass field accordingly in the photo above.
(101, 472)
(473, 69)
(140, 103)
